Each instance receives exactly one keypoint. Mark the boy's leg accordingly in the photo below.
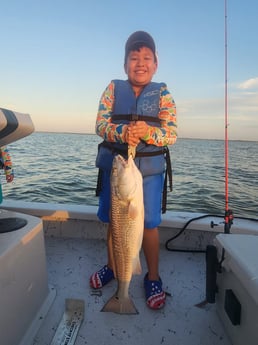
(150, 246)
(105, 274)
(155, 296)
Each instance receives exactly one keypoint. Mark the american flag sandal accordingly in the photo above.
(155, 296)
(101, 277)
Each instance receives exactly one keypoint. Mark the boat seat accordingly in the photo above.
(237, 299)
(242, 259)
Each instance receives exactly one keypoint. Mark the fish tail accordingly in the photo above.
(120, 305)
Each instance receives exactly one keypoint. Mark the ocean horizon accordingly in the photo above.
(185, 138)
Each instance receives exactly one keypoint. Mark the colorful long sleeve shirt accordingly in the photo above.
(5, 161)
(158, 136)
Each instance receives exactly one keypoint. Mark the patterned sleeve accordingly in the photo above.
(6, 161)
(167, 133)
(104, 127)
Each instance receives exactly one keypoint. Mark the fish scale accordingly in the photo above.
(122, 249)
(127, 223)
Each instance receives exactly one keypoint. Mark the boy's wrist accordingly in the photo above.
(146, 136)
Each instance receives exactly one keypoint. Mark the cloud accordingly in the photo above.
(251, 83)
(244, 101)
(205, 118)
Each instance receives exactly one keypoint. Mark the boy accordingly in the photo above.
(141, 113)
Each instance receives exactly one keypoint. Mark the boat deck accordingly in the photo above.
(70, 261)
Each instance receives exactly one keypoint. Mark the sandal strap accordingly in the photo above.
(155, 296)
(101, 277)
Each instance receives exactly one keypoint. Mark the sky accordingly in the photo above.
(58, 56)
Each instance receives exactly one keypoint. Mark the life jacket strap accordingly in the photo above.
(135, 117)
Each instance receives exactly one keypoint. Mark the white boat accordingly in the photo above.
(46, 262)
(49, 260)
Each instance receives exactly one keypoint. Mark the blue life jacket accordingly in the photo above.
(127, 107)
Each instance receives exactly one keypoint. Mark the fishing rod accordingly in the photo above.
(228, 216)
(228, 213)
(213, 265)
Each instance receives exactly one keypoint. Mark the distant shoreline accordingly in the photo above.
(80, 133)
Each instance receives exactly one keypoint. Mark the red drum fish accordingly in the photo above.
(127, 220)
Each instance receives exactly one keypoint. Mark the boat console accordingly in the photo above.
(13, 126)
(25, 294)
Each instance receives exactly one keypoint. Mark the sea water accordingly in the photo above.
(60, 168)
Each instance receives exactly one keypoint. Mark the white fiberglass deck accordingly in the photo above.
(70, 263)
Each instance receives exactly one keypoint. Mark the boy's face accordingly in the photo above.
(140, 66)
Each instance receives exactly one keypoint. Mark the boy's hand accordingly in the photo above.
(130, 137)
(138, 129)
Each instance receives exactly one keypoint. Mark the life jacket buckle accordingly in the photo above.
(134, 117)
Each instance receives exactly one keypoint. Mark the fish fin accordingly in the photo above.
(132, 210)
(120, 306)
(137, 268)
(111, 252)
